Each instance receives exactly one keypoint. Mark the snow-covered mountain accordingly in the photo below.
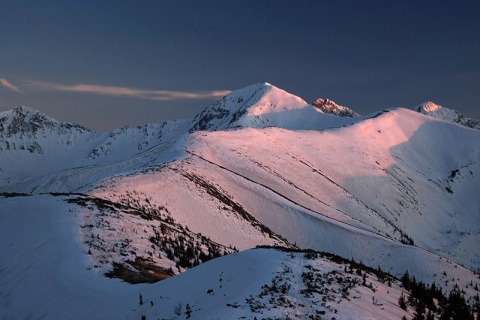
(25, 129)
(397, 190)
(263, 105)
(438, 112)
(34, 145)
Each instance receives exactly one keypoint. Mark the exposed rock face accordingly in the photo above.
(330, 107)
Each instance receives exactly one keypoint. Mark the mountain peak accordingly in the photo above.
(22, 112)
(26, 109)
(330, 107)
(267, 84)
(438, 112)
(427, 107)
(28, 120)
(22, 119)
(255, 101)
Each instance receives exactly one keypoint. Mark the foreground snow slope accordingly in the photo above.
(46, 273)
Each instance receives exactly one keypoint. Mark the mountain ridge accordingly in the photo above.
(258, 99)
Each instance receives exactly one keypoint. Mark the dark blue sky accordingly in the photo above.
(150, 61)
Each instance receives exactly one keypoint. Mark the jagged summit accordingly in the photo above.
(26, 110)
(438, 112)
(29, 120)
(330, 107)
(26, 129)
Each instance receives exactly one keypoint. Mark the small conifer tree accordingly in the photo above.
(402, 302)
(188, 311)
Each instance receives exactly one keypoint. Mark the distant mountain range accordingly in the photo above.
(91, 221)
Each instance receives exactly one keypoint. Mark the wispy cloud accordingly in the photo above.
(129, 92)
(5, 83)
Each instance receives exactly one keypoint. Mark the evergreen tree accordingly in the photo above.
(188, 311)
(402, 302)
(405, 280)
(430, 316)
(419, 312)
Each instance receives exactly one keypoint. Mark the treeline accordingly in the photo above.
(187, 250)
(430, 302)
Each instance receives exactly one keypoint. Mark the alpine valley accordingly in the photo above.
(261, 207)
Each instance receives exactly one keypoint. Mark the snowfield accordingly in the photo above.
(47, 273)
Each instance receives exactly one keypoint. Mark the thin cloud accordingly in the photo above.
(5, 83)
(130, 92)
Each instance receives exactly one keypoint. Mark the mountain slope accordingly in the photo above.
(47, 273)
(297, 183)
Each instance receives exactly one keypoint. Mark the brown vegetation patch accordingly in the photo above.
(143, 271)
